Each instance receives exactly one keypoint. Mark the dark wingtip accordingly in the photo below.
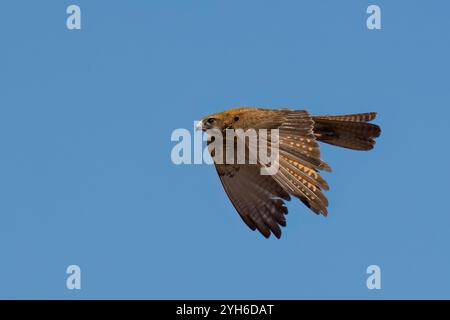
(266, 235)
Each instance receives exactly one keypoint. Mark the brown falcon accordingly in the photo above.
(259, 199)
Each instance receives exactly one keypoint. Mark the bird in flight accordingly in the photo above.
(260, 199)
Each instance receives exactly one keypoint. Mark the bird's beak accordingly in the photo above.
(199, 126)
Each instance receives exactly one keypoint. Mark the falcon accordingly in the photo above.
(260, 199)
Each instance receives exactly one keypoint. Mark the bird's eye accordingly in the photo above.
(236, 118)
(211, 120)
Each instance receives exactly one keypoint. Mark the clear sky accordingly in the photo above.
(86, 176)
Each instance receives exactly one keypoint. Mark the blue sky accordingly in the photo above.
(86, 176)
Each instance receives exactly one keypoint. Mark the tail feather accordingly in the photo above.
(348, 131)
(356, 117)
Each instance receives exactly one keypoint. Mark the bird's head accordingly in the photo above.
(213, 121)
(223, 120)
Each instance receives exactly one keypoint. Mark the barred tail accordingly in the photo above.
(350, 131)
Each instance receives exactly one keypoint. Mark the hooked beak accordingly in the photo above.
(199, 126)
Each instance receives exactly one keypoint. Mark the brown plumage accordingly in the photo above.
(259, 199)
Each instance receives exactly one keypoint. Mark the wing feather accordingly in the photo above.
(259, 199)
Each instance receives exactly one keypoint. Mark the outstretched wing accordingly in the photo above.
(299, 161)
(299, 155)
(257, 198)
